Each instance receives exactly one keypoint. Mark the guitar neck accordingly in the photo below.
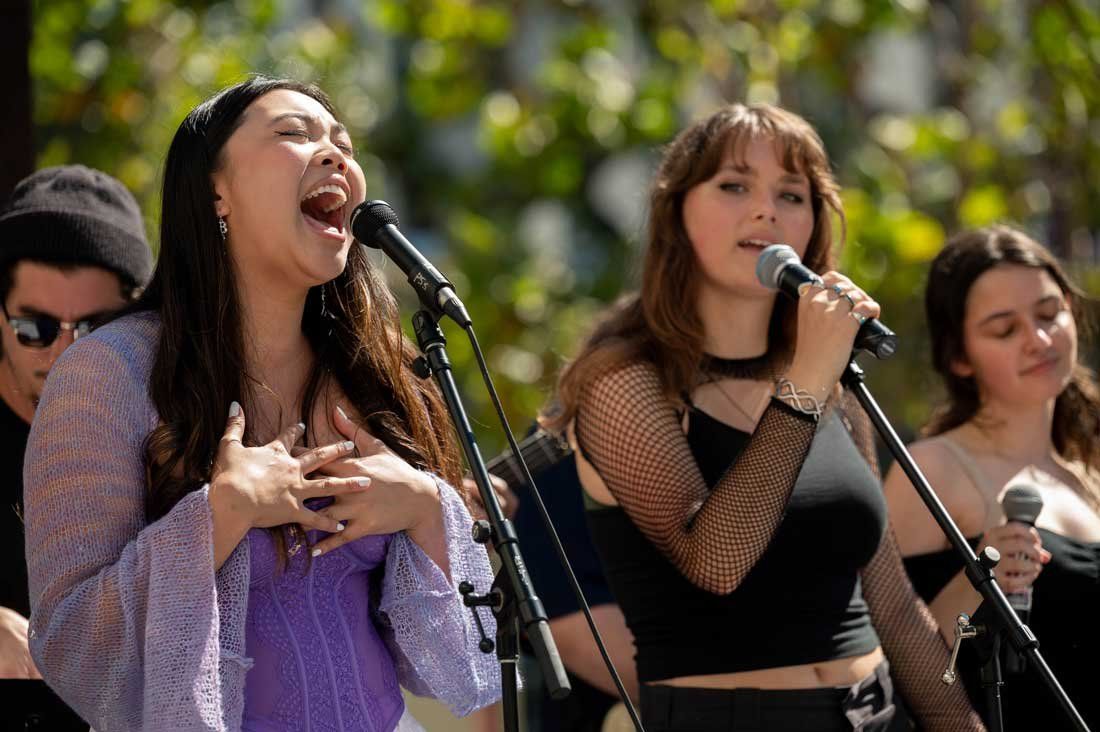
(540, 450)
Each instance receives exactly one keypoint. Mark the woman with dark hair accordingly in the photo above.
(731, 485)
(289, 571)
(1020, 410)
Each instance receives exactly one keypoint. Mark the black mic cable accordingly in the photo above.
(374, 223)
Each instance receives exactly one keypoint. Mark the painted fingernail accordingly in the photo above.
(340, 526)
(302, 426)
(363, 481)
(315, 553)
(347, 445)
(341, 412)
(234, 409)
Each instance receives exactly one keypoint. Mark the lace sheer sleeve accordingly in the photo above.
(909, 634)
(429, 631)
(130, 622)
(630, 433)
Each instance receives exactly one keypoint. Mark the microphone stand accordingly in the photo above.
(512, 597)
(999, 619)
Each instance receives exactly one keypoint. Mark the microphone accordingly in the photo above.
(779, 268)
(375, 224)
(1022, 503)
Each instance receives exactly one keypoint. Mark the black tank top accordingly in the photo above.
(801, 603)
(1065, 608)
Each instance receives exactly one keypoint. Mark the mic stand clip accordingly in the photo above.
(512, 596)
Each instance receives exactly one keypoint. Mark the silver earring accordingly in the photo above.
(223, 228)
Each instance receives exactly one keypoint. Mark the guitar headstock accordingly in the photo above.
(540, 450)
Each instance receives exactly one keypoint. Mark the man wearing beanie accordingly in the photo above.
(72, 252)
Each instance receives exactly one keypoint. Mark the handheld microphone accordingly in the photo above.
(1022, 503)
(779, 268)
(375, 224)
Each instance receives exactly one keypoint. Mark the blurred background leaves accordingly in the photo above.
(515, 139)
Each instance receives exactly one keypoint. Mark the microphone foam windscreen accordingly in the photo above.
(371, 217)
(771, 262)
(1022, 503)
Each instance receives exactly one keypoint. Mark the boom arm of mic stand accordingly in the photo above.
(1000, 612)
(513, 581)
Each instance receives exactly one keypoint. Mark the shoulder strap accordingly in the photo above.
(977, 476)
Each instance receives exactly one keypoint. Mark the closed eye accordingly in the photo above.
(1050, 315)
(341, 146)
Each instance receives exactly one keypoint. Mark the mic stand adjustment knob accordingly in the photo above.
(482, 531)
(493, 599)
(963, 630)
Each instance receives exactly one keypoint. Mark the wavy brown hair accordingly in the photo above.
(351, 323)
(966, 257)
(653, 324)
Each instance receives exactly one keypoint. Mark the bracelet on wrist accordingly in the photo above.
(797, 399)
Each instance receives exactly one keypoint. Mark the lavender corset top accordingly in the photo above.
(319, 660)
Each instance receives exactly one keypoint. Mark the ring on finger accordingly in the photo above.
(842, 293)
(805, 286)
(859, 317)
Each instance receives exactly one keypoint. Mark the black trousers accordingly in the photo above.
(866, 706)
(31, 705)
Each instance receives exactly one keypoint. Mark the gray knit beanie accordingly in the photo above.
(76, 215)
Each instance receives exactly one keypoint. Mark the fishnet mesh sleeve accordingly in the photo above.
(630, 433)
(860, 428)
(910, 636)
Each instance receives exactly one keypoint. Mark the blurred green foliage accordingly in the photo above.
(515, 138)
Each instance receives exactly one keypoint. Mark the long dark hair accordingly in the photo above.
(653, 324)
(966, 257)
(350, 322)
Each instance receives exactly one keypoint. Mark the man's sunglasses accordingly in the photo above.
(40, 331)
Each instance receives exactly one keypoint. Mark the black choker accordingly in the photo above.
(737, 368)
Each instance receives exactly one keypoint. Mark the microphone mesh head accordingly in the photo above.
(371, 216)
(1022, 503)
(771, 262)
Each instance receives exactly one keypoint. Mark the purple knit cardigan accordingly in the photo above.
(130, 622)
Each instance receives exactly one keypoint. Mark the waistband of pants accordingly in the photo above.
(750, 705)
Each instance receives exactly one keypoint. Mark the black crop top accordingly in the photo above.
(800, 603)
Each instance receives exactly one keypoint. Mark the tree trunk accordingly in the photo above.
(17, 154)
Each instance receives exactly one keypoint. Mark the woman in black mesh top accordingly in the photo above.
(1021, 410)
(732, 490)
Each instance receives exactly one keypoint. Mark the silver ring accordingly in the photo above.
(842, 293)
(860, 317)
(805, 286)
